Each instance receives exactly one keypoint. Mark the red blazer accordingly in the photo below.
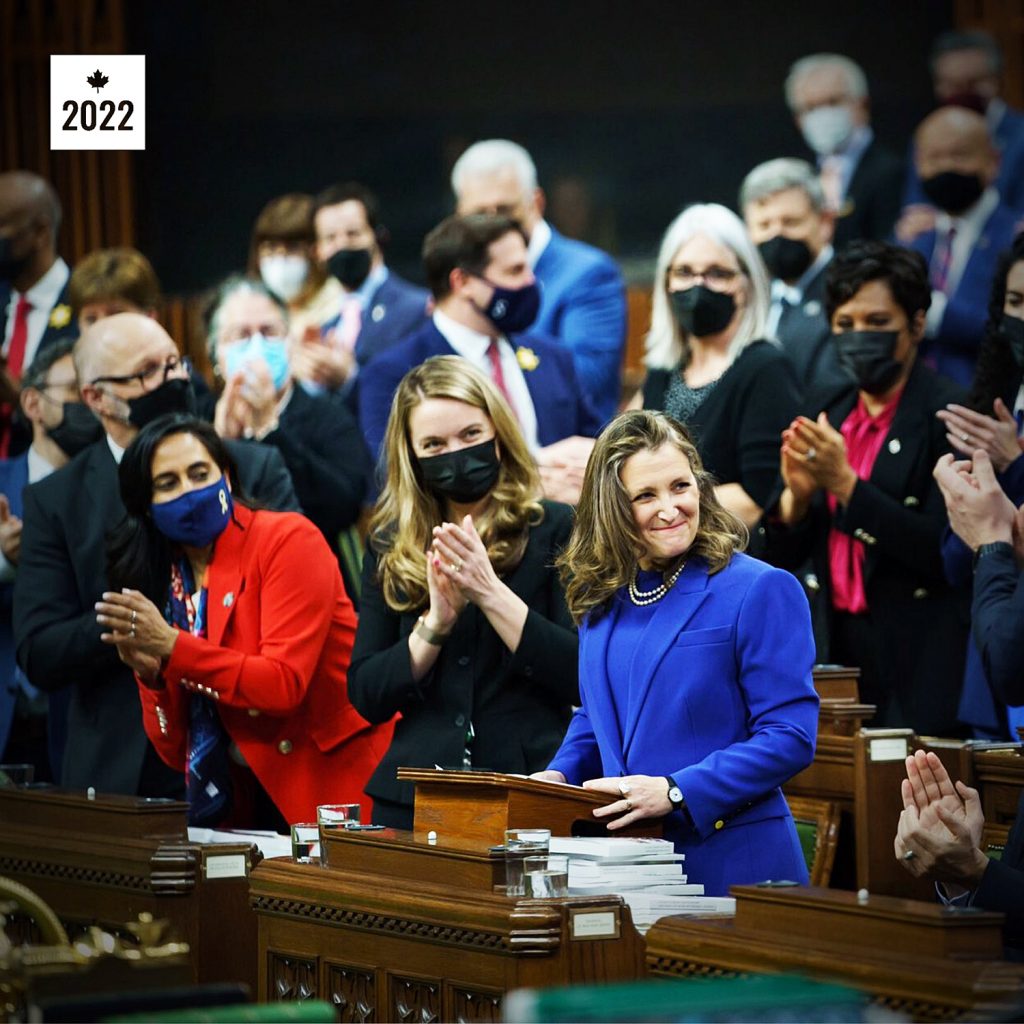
(280, 630)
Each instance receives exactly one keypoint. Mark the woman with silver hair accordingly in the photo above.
(708, 365)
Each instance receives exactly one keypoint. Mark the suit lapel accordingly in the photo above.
(673, 613)
(908, 434)
(596, 686)
(226, 578)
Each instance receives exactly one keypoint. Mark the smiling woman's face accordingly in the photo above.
(665, 500)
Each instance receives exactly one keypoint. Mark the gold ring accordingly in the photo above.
(135, 617)
(458, 566)
(629, 804)
(966, 438)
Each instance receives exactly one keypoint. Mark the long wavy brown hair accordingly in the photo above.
(407, 511)
(605, 546)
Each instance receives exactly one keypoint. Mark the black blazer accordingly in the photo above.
(806, 337)
(873, 199)
(1002, 888)
(738, 425)
(519, 704)
(61, 574)
(919, 620)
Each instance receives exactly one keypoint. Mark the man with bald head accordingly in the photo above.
(958, 166)
(129, 373)
(34, 311)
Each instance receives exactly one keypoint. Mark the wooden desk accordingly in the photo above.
(400, 929)
(914, 958)
(107, 860)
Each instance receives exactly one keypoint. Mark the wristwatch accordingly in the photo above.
(990, 549)
(675, 794)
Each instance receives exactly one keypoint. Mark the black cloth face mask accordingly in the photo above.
(350, 266)
(867, 357)
(77, 430)
(953, 192)
(1012, 330)
(786, 258)
(10, 265)
(464, 476)
(172, 396)
(701, 311)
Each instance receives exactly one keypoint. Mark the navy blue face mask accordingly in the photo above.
(196, 518)
(512, 309)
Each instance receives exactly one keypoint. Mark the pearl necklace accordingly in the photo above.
(644, 597)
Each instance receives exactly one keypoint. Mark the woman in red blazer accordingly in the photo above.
(239, 630)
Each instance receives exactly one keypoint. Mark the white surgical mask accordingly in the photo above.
(284, 275)
(827, 129)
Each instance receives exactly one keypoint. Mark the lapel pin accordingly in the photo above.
(229, 599)
(377, 313)
(895, 446)
(812, 308)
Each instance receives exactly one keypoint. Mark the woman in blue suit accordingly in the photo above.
(695, 662)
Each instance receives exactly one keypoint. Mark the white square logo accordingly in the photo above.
(97, 101)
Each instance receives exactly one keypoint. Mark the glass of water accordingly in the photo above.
(546, 876)
(305, 842)
(338, 815)
(521, 843)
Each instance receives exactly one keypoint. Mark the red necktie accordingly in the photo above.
(19, 339)
(497, 375)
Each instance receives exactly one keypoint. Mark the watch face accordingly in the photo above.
(675, 795)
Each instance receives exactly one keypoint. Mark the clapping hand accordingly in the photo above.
(463, 559)
(967, 431)
(10, 532)
(822, 450)
(978, 508)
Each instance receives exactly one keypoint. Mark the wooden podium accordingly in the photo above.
(921, 959)
(477, 807)
(393, 927)
(104, 861)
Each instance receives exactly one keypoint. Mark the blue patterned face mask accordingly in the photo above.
(195, 518)
(272, 351)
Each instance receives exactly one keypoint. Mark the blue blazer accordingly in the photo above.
(955, 348)
(13, 478)
(562, 409)
(718, 694)
(583, 306)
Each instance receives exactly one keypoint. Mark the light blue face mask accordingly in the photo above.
(272, 351)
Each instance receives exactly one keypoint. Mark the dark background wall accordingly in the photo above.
(631, 110)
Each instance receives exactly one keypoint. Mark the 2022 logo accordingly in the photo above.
(87, 111)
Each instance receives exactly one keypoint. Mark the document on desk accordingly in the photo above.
(270, 844)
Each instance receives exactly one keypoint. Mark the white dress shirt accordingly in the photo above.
(38, 469)
(43, 296)
(473, 346)
(538, 242)
(969, 226)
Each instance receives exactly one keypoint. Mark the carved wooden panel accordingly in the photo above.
(290, 978)
(414, 1000)
(353, 992)
(475, 1006)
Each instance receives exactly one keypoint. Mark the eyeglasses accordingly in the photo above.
(715, 277)
(153, 373)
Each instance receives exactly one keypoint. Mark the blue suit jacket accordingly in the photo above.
(719, 695)
(562, 409)
(955, 348)
(13, 478)
(583, 306)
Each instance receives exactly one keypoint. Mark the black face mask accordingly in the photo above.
(10, 266)
(867, 357)
(172, 396)
(77, 430)
(464, 476)
(1012, 330)
(786, 258)
(701, 312)
(953, 192)
(350, 266)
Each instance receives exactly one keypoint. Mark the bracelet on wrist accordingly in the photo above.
(431, 636)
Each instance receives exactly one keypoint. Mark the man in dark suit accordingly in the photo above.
(862, 180)
(583, 299)
(485, 297)
(34, 310)
(958, 167)
(317, 436)
(378, 309)
(129, 372)
(784, 207)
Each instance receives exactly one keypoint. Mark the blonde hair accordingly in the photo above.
(605, 546)
(407, 511)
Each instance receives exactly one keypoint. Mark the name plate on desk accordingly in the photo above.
(593, 924)
(889, 748)
(219, 862)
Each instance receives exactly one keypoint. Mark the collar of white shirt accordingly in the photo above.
(468, 343)
(39, 468)
(45, 292)
(115, 449)
(538, 242)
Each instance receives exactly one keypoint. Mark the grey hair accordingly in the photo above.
(227, 289)
(774, 176)
(856, 80)
(976, 39)
(490, 157)
(665, 343)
